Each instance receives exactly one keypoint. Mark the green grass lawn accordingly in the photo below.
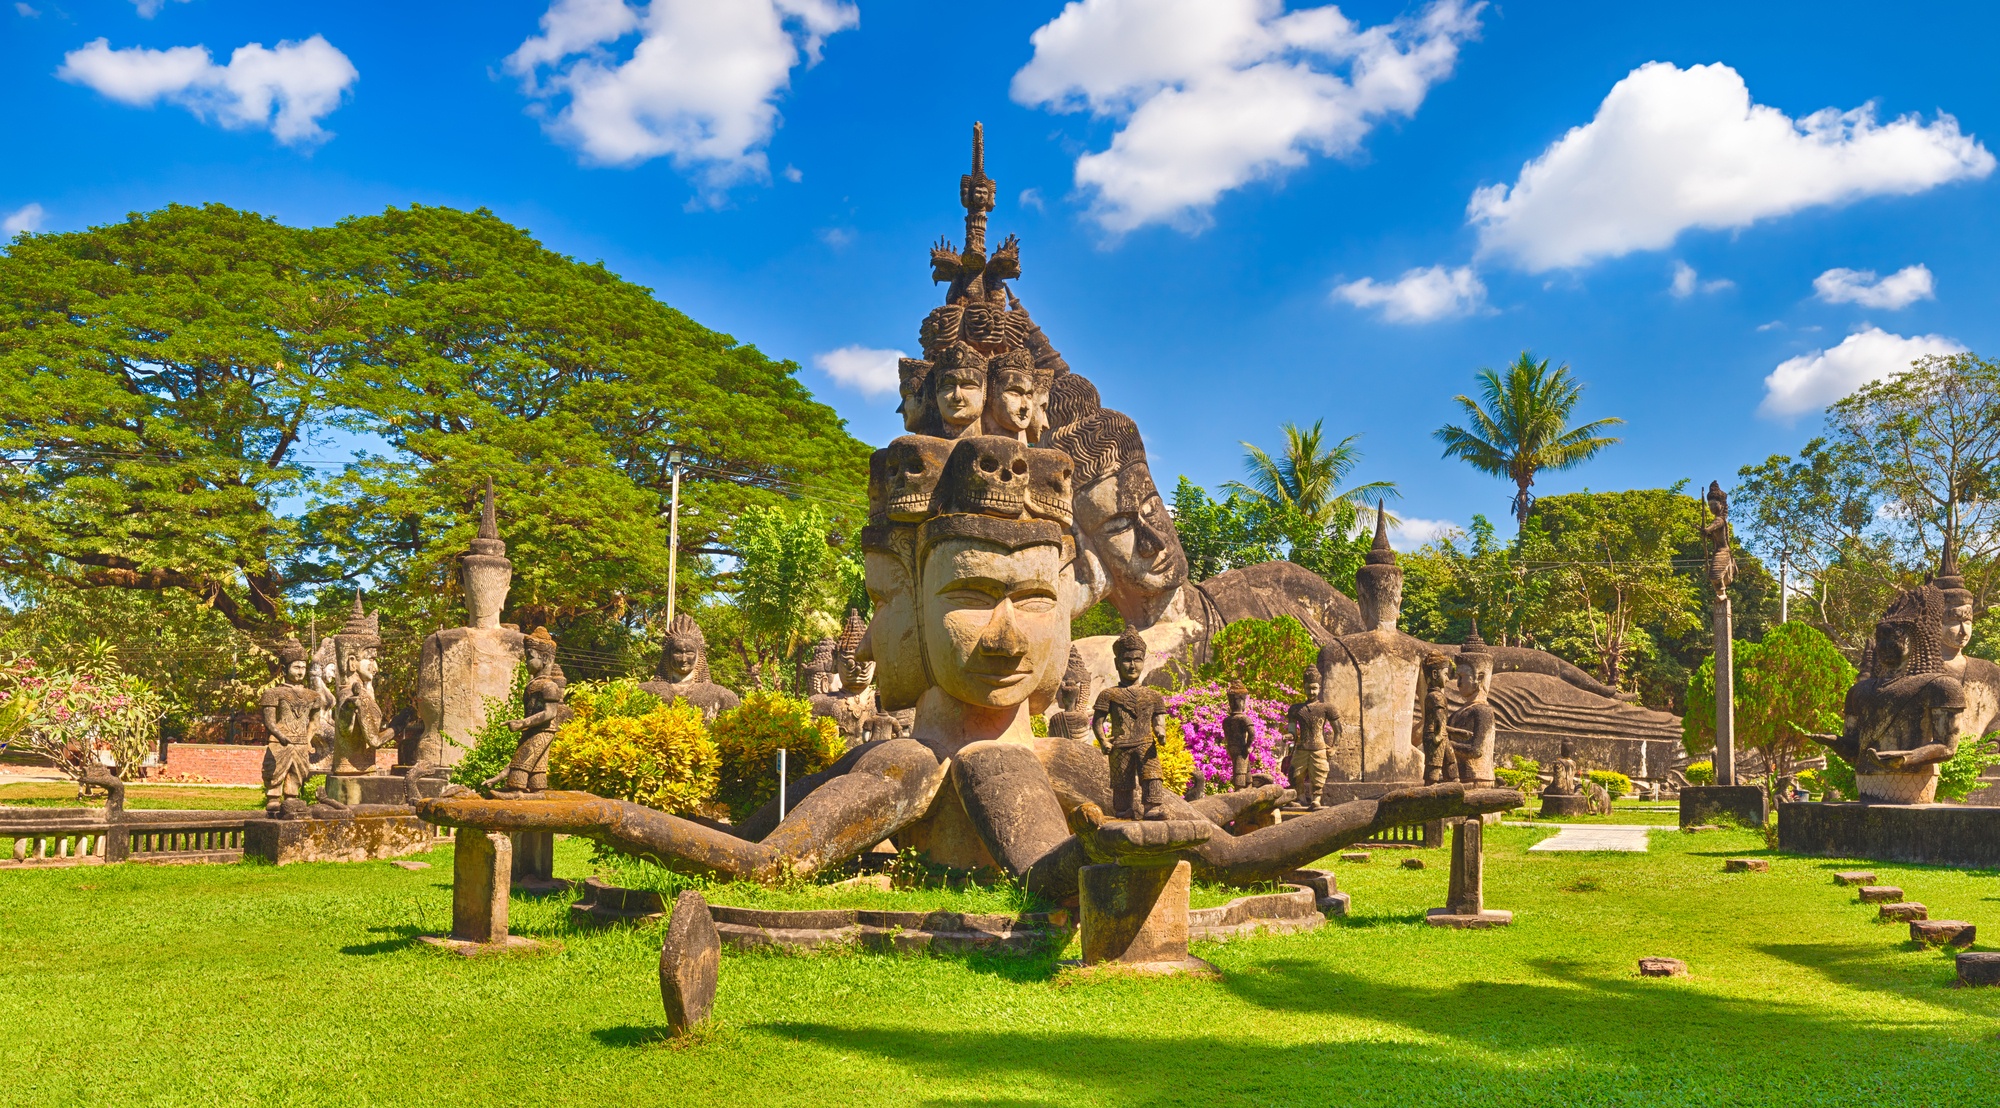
(60, 794)
(306, 985)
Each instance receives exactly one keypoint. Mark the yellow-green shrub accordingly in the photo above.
(663, 759)
(1615, 783)
(748, 737)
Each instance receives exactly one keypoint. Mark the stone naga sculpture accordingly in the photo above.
(683, 672)
(1902, 719)
(290, 710)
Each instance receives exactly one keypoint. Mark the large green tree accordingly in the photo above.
(1306, 474)
(1520, 426)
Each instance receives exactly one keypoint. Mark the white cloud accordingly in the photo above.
(150, 8)
(1812, 381)
(866, 371)
(699, 86)
(1898, 290)
(1412, 533)
(27, 217)
(1687, 282)
(1419, 295)
(1214, 94)
(1031, 198)
(27, 11)
(1672, 149)
(286, 90)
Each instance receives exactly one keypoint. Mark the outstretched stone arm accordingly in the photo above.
(1013, 806)
(890, 786)
(1269, 853)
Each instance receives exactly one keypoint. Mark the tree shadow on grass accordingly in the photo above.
(633, 1034)
(405, 938)
(1857, 966)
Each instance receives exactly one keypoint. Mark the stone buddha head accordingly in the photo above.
(1475, 667)
(989, 602)
(1378, 584)
(1013, 405)
(684, 652)
(484, 571)
(958, 389)
(1130, 549)
(891, 643)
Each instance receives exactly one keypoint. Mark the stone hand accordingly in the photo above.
(517, 724)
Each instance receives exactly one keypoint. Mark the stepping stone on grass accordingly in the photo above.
(1943, 932)
(1880, 894)
(1903, 911)
(1854, 877)
(1662, 967)
(1746, 865)
(1355, 856)
(1413, 863)
(1981, 968)
(399, 864)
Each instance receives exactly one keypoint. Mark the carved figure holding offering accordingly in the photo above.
(1472, 726)
(1315, 727)
(1073, 721)
(683, 673)
(1562, 778)
(1130, 722)
(290, 710)
(1237, 733)
(1901, 721)
(358, 727)
(1440, 759)
(544, 712)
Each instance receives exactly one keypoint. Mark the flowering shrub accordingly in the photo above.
(663, 759)
(749, 736)
(1198, 712)
(78, 717)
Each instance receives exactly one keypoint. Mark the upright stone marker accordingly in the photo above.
(689, 960)
(1722, 571)
(1465, 899)
(1137, 917)
(482, 868)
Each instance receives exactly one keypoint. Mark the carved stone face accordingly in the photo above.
(677, 659)
(538, 661)
(961, 393)
(992, 620)
(1892, 647)
(1066, 695)
(891, 644)
(1125, 523)
(986, 475)
(990, 327)
(1050, 493)
(295, 672)
(485, 580)
(1238, 701)
(1471, 681)
(1131, 665)
(1379, 593)
(910, 467)
(1957, 630)
(1013, 407)
(912, 375)
(1310, 679)
(855, 674)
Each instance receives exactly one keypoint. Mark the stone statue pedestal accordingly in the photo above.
(1743, 803)
(1563, 805)
(359, 838)
(534, 863)
(482, 863)
(461, 669)
(364, 788)
(1135, 918)
(1465, 899)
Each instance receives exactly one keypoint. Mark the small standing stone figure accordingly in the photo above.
(545, 712)
(1715, 536)
(1130, 722)
(1315, 729)
(1073, 721)
(1440, 760)
(290, 710)
(1237, 733)
(1472, 726)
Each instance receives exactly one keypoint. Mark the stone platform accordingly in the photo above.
(352, 839)
(1930, 834)
(1745, 804)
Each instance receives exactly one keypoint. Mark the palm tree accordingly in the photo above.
(1523, 427)
(1306, 473)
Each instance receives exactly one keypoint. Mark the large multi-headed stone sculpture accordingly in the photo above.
(1902, 717)
(462, 669)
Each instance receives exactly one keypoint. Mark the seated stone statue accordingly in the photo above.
(1902, 719)
(1562, 778)
(1073, 721)
(1472, 726)
(683, 673)
(851, 703)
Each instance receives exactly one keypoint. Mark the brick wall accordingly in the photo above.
(223, 765)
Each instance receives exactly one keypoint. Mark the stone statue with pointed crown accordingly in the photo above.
(851, 702)
(542, 713)
(1902, 720)
(462, 669)
(1472, 725)
(683, 671)
(358, 724)
(290, 709)
(1073, 720)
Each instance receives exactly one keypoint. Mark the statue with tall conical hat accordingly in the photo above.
(851, 702)
(1072, 720)
(358, 726)
(1471, 729)
(683, 671)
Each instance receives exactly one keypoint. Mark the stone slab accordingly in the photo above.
(1879, 894)
(1413, 863)
(603, 903)
(1289, 912)
(1445, 917)
(511, 944)
(1557, 806)
(1903, 911)
(353, 839)
(1929, 834)
(690, 959)
(1605, 836)
(1745, 865)
(1189, 966)
(1855, 877)
(1354, 856)
(1745, 804)
(1662, 967)
(1979, 968)
(1943, 932)
(1134, 915)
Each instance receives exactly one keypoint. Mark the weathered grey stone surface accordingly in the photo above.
(358, 838)
(461, 669)
(602, 902)
(884, 931)
(1557, 806)
(1355, 856)
(1745, 865)
(1903, 911)
(1979, 968)
(1854, 877)
(482, 863)
(1943, 932)
(1662, 967)
(1743, 803)
(1932, 834)
(690, 959)
(1136, 916)
(1293, 910)
(1613, 837)
(1412, 863)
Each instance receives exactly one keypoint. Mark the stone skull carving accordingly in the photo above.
(1050, 485)
(940, 329)
(908, 471)
(986, 475)
(991, 327)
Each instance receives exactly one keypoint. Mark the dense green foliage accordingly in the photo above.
(1268, 655)
(1520, 773)
(1789, 686)
(661, 757)
(1615, 783)
(170, 386)
(748, 738)
(494, 746)
(1221, 535)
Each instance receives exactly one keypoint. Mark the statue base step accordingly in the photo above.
(355, 839)
(1928, 834)
(1744, 804)
(1468, 921)
(510, 944)
(1558, 806)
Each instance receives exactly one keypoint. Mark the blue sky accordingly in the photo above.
(1234, 212)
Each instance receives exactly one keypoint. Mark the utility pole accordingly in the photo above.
(673, 531)
(1784, 591)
